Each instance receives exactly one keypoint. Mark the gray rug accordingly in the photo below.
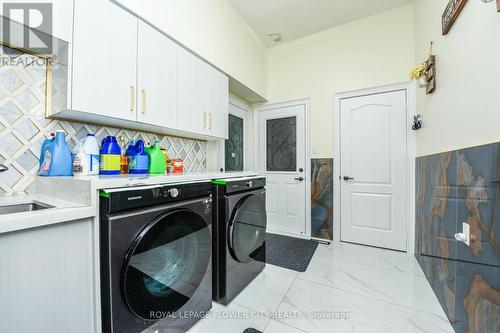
(288, 252)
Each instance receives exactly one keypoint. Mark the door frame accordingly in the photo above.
(411, 151)
(307, 168)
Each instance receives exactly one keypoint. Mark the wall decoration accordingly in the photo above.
(322, 198)
(425, 73)
(498, 5)
(451, 13)
(430, 73)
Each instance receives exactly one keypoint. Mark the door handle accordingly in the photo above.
(132, 99)
(347, 178)
(300, 179)
(144, 105)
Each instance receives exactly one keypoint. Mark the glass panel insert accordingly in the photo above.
(234, 146)
(281, 144)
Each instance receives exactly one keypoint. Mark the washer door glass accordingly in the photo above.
(166, 264)
(247, 229)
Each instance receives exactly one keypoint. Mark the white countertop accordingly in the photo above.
(75, 198)
(61, 211)
(117, 181)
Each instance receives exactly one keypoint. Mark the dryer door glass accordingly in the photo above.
(166, 264)
(247, 229)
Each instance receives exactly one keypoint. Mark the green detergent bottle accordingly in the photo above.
(156, 159)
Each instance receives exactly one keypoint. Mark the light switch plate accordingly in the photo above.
(466, 232)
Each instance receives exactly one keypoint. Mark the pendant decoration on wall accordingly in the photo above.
(451, 13)
(425, 73)
(430, 74)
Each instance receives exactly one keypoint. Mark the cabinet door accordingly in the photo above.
(157, 78)
(104, 59)
(216, 102)
(190, 114)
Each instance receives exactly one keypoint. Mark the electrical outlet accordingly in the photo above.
(464, 236)
(466, 232)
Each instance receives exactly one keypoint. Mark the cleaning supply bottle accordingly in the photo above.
(80, 162)
(110, 156)
(123, 157)
(46, 142)
(91, 148)
(56, 159)
(156, 159)
(138, 159)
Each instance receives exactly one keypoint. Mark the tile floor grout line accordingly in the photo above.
(374, 266)
(371, 298)
(286, 292)
(278, 321)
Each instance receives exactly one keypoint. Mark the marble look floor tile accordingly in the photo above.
(404, 289)
(393, 260)
(277, 327)
(281, 270)
(231, 319)
(339, 311)
(267, 290)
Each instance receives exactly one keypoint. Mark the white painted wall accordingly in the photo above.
(215, 31)
(373, 51)
(465, 109)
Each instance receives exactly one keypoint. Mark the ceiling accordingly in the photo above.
(294, 19)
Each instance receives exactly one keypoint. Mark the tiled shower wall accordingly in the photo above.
(452, 188)
(23, 127)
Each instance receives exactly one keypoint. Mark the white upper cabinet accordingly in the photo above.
(104, 60)
(126, 73)
(156, 78)
(190, 115)
(216, 101)
(203, 97)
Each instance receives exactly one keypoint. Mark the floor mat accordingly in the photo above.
(288, 252)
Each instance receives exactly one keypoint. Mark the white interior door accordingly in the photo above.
(282, 159)
(374, 170)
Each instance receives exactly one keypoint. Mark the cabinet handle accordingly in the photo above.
(204, 120)
(132, 99)
(143, 100)
(210, 121)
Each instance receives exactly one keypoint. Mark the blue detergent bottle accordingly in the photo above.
(55, 159)
(138, 159)
(110, 157)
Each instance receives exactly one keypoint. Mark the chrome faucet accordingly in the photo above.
(3, 168)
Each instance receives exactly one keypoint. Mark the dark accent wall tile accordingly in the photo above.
(322, 198)
(479, 204)
(477, 298)
(438, 205)
(452, 188)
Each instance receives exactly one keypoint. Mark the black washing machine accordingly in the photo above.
(156, 269)
(239, 235)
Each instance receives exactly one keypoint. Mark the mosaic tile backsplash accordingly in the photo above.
(23, 128)
(452, 188)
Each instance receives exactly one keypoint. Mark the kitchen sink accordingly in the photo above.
(23, 207)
